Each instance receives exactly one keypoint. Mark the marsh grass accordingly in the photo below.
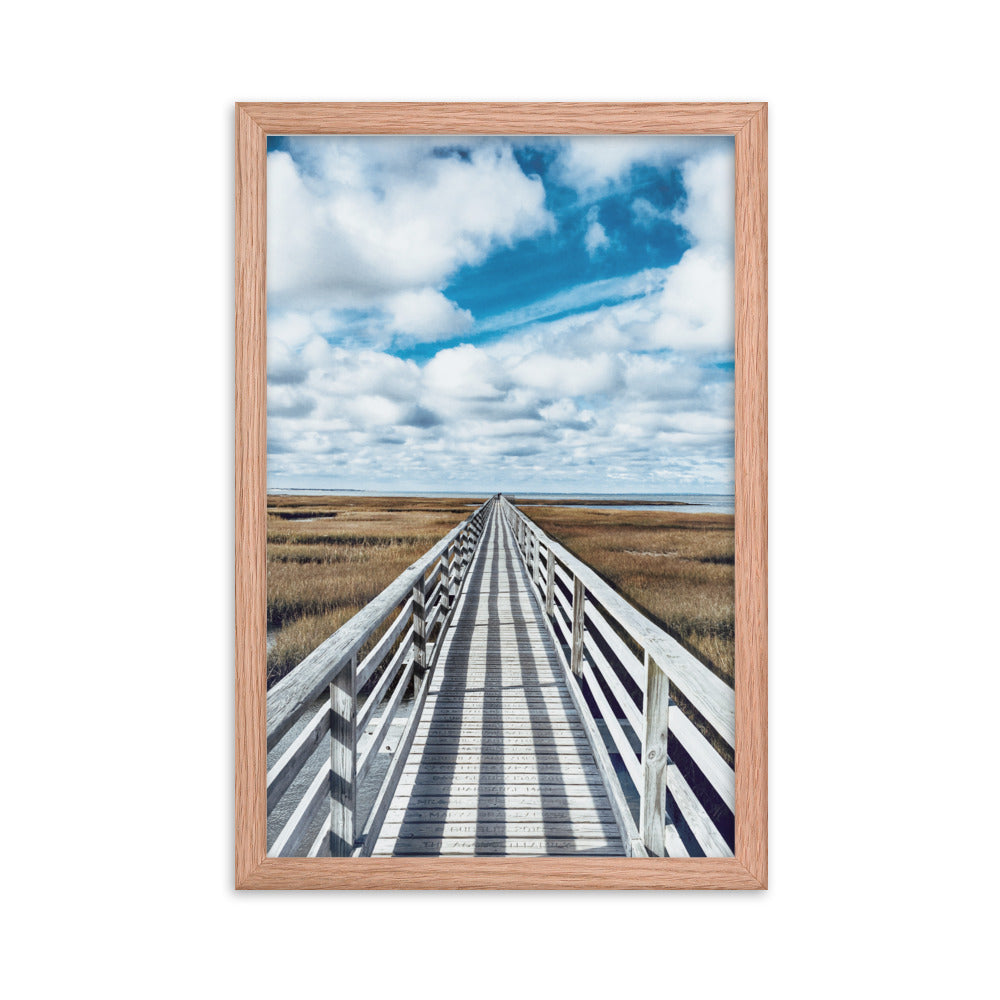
(678, 568)
(327, 557)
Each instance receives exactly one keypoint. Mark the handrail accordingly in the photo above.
(290, 697)
(413, 611)
(685, 788)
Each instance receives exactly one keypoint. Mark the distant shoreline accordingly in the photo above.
(559, 502)
(527, 499)
(690, 503)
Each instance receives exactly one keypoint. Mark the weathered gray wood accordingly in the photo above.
(419, 625)
(577, 799)
(653, 789)
(556, 767)
(565, 577)
(445, 846)
(343, 762)
(504, 727)
(579, 597)
(499, 717)
(616, 795)
(372, 661)
(713, 698)
(384, 682)
(500, 814)
(712, 842)
(719, 774)
(432, 605)
(508, 786)
(632, 665)
(285, 770)
(391, 780)
(291, 696)
(618, 736)
(392, 706)
(453, 567)
(288, 840)
(482, 829)
(627, 706)
(321, 844)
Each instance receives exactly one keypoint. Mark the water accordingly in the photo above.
(689, 503)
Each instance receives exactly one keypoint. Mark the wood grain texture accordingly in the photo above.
(251, 463)
(751, 496)
(475, 731)
(748, 870)
(500, 118)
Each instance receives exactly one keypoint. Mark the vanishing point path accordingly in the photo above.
(500, 698)
(500, 762)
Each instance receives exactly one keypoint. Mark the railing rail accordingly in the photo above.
(407, 621)
(620, 666)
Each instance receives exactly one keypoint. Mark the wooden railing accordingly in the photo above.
(674, 793)
(366, 666)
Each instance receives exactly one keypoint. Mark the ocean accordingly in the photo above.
(695, 503)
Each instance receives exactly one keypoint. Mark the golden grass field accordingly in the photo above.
(327, 557)
(674, 565)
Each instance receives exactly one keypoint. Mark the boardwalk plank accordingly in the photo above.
(500, 762)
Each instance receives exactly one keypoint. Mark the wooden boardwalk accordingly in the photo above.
(500, 762)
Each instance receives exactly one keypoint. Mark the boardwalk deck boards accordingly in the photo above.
(542, 723)
(500, 762)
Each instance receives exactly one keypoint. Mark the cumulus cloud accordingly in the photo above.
(591, 163)
(620, 383)
(708, 211)
(646, 214)
(426, 314)
(595, 239)
(358, 221)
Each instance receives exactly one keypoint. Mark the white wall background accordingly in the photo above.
(117, 414)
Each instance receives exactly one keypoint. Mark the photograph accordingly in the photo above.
(500, 496)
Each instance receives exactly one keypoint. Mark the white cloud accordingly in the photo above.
(646, 214)
(627, 395)
(709, 209)
(426, 314)
(562, 375)
(694, 311)
(374, 218)
(595, 239)
(592, 163)
(466, 373)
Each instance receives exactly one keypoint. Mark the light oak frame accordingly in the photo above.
(748, 869)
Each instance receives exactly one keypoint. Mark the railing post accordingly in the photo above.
(550, 581)
(653, 794)
(576, 655)
(454, 551)
(419, 636)
(343, 760)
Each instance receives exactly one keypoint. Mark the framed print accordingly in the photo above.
(501, 496)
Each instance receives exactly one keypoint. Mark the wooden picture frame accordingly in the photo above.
(748, 868)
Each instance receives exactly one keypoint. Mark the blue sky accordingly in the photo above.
(486, 313)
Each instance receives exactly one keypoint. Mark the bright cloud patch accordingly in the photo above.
(427, 315)
(530, 314)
